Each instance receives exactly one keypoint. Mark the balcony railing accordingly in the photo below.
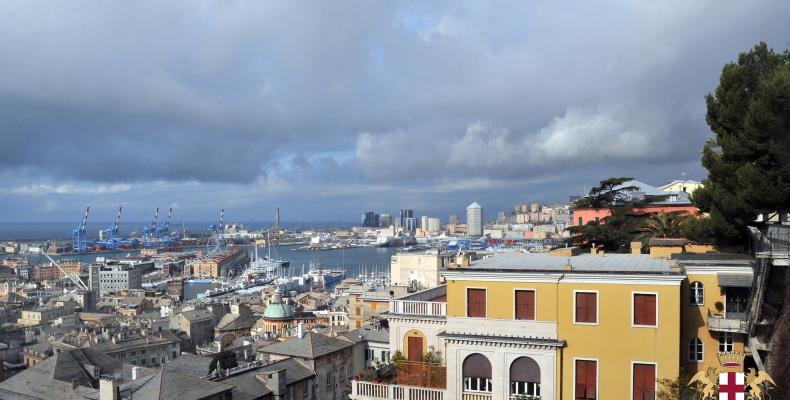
(732, 322)
(361, 390)
(423, 308)
(475, 396)
(421, 374)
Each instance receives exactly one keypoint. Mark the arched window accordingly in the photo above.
(696, 294)
(477, 374)
(695, 350)
(525, 377)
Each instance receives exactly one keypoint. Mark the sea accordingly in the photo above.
(354, 261)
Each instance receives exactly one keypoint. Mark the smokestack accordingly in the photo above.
(108, 389)
(300, 330)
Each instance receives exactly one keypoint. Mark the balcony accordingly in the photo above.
(421, 374)
(476, 396)
(427, 303)
(374, 391)
(734, 322)
(421, 308)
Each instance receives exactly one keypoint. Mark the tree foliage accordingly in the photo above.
(432, 355)
(619, 228)
(748, 160)
(224, 360)
(664, 225)
(608, 193)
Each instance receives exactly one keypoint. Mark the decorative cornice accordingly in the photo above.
(568, 277)
(499, 341)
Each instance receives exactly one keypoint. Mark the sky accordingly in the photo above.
(328, 109)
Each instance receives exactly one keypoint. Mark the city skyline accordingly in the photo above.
(381, 110)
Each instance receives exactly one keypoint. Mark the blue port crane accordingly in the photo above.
(79, 236)
(149, 232)
(163, 233)
(109, 237)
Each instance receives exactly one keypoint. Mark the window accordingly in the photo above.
(586, 379)
(524, 377)
(385, 356)
(329, 379)
(525, 304)
(645, 309)
(342, 374)
(696, 294)
(725, 342)
(477, 373)
(695, 350)
(644, 382)
(586, 308)
(476, 303)
(580, 221)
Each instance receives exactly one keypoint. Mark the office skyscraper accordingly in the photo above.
(406, 214)
(474, 219)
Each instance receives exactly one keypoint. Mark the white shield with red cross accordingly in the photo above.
(731, 386)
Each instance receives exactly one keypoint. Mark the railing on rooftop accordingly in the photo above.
(422, 374)
(773, 240)
(361, 390)
(425, 308)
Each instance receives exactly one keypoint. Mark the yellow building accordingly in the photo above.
(714, 304)
(681, 185)
(570, 325)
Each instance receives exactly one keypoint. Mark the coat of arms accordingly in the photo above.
(731, 385)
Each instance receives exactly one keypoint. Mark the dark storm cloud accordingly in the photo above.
(401, 101)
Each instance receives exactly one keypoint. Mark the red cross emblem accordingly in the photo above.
(731, 386)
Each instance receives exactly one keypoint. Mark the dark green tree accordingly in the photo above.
(609, 192)
(617, 230)
(224, 360)
(748, 160)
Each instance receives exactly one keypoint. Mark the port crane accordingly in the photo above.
(79, 237)
(108, 237)
(163, 233)
(218, 232)
(149, 232)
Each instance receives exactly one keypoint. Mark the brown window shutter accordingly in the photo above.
(644, 309)
(585, 379)
(586, 307)
(476, 303)
(644, 382)
(591, 379)
(525, 304)
(581, 380)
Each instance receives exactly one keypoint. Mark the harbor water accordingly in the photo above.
(354, 261)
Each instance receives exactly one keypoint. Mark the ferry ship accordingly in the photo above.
(327, 277)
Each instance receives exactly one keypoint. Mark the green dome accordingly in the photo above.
(278, 311)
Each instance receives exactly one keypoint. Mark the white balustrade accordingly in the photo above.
(426, 308)
(476, 396)
(373, 391)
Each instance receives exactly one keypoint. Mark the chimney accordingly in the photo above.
(600, 252)
(593, 250)
(276, 383)
(108, 389)
(300, 330)
(636, 247)
(568, 267)
(134, 373)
